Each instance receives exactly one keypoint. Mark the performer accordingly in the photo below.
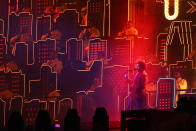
(181, 84)
(129, 30)
(86, 34)
(138, 90)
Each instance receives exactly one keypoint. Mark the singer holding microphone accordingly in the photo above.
(138, 88)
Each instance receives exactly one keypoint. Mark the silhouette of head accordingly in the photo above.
(72, 121)
(141, 66)
(43, 121)
(101, 120)
(15, 122)
(177, 75)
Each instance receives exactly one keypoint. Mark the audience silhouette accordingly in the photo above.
(43, 122)
(72, 121)
(101, 120)
(15, 122)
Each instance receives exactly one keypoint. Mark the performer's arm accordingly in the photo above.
(185, 85)
(143, 81)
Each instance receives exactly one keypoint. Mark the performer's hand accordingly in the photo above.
(43, 37)
(14, 38)
(178, 88)
(119, 34)
(56, 65)
(13, 49)
(12, 43)
(11, 66)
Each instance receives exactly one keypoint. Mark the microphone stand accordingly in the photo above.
(130, 81)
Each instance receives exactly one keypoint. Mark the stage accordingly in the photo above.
(85, 57)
